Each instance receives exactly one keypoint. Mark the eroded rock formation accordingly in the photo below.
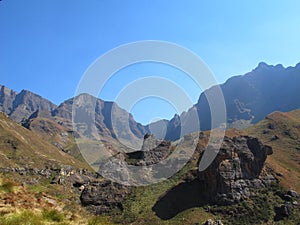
(236, 170)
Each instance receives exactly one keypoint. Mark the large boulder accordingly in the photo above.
(104, 197)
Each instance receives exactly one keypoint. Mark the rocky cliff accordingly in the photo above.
(236, 170)
(20, 106)
(248, 98)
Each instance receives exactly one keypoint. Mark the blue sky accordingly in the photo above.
(46, 46)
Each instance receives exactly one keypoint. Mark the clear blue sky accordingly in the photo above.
(45, 46)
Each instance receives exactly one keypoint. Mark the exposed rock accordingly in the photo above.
(236, 170)
(7, 97)
(153, 151)
(271, 126)
(293, 193)
(295, 204)
(104, 197)
(283, 211)
(26, 103)
(212, 222)
(66, 175)
(99, 117)
(274, 138)
(287, 198)
(247, 98)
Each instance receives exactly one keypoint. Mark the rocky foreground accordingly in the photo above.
(236, 174)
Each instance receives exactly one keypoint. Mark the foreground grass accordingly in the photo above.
(29, 217)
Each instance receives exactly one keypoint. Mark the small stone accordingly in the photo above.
(287, 198)
(212, 222)
(293, 193)
(295, 203)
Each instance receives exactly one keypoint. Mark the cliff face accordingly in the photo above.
(20, 106)
(248, 98)
(237, 169)
(7, 97)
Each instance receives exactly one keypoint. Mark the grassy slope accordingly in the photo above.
(138, 209)
(82, 148)
(35, 205)
(16, 143)
(286, 157)
(42, 202)
(57, 135)
(20, 147)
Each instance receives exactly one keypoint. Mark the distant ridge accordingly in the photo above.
(248, 98)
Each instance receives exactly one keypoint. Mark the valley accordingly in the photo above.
(46, 178)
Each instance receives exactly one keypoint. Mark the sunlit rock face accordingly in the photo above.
(237, 170)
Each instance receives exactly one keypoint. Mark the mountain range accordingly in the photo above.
(254, 179)
(248, 99)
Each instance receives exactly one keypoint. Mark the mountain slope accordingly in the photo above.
(26, 107)
(20, 106)
(249, 98)
(98, 119)
(281, 130)
(19, 147)
(7, 97)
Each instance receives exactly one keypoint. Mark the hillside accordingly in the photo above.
(95, 116)
(20, 147)
(20, 106)
(248, 98)
(182, 199)
(281, 130)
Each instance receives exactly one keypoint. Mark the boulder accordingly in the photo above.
(283, 211)
(104, 197)
(293, 193)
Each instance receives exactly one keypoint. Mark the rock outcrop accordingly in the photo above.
(104, 197)
(286, 209)
(236, 170)
(7, 97)
(212, 222)
(153, 151)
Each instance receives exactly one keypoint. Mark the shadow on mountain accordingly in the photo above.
(182, 197)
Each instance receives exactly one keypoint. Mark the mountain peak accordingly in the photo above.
(262, 65)
(265, 66)
(28, 93)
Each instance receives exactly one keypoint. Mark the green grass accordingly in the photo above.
(138, 207)
(100, 220)
(28, 217)
(23, 218)
(53, 216)
(257, 210)
(7, 186)
(285, 157)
